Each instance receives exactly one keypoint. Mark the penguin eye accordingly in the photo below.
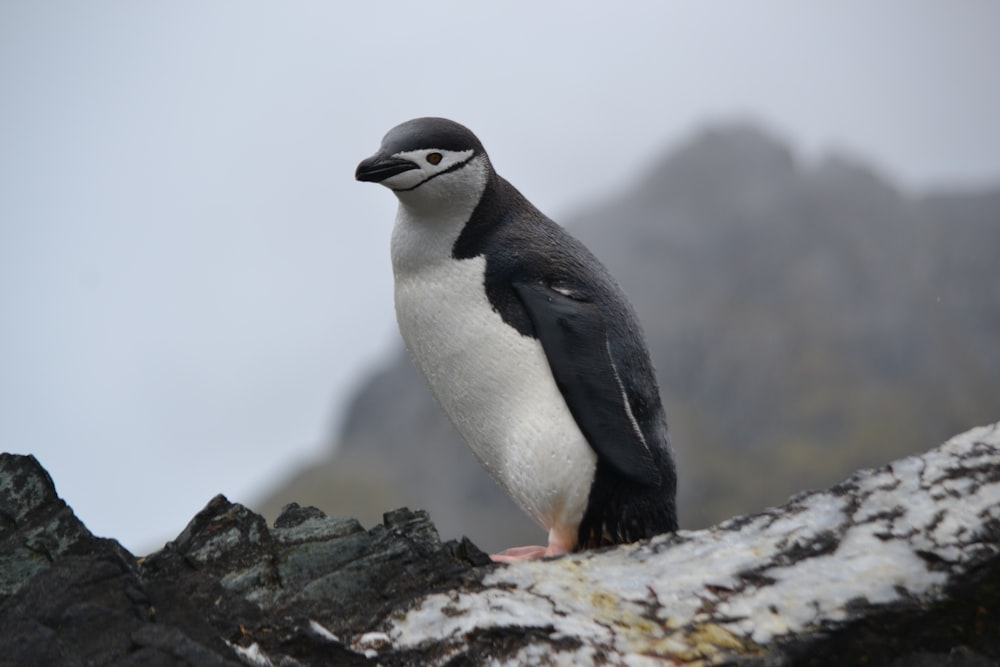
(434, 158)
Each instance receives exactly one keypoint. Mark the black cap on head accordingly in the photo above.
(430, 132)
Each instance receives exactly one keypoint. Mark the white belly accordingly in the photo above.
(493, 383)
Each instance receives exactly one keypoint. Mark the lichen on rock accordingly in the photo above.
(898, 565)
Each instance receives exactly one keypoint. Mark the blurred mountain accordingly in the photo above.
(805, 320)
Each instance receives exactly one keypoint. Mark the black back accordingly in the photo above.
(633, 493)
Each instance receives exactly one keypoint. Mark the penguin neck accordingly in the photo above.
(429, 221)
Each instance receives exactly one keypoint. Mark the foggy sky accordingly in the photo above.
(190, 279)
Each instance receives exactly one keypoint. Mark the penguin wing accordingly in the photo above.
(574, 337)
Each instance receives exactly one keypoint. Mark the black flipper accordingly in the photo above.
(574, 337)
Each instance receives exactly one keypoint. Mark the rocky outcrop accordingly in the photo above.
(225, 587)
(898, 565)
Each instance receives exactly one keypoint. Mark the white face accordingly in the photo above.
(431, 163)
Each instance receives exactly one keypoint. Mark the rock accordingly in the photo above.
(227, 582)
(903, 559)
(895, 566)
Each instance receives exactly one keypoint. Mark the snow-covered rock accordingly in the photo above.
(895, 566)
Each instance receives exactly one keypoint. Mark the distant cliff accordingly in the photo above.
(806, 319)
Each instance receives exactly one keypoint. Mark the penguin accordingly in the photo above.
(528, 344)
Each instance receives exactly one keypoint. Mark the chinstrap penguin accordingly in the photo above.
(527, 343)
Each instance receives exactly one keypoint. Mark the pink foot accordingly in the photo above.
(558, 545)
(515, 554)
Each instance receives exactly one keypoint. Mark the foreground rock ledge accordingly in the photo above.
(895, 566)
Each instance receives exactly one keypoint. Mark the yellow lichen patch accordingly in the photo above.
(635, 627)
(604, 601)
(708, 644)
(716, 644)
(717, 636)
(676, 648)
(672, 623)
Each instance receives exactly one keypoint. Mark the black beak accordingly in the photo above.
(378, 167)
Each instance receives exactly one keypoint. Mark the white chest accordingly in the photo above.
(494, 384)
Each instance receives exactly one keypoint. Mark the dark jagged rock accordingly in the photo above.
(895, 566)
(48, 528)
(69, 598)
(226, 583)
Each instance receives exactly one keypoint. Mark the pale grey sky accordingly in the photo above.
(190, 279)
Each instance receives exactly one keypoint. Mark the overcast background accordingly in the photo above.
(191, 282)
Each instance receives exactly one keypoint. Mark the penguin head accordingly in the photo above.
(428, 159)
